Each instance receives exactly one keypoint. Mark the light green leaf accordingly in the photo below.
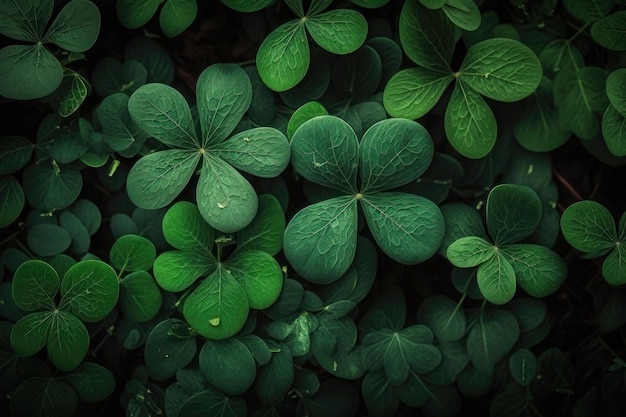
(470, 124)
(218, 307)
(48, 239)
(616, 90)
(324, 150)
(119, 130)
(28, 72)
(177, 15)
(417, 26)
(496, 279)
(580, 97)
(443, 316)
(185, 229)
(339, 31)
(610, 31)
(228, 365)
(224, 94)
(588, 226)
(158, 178)
(263, 151)
(392, 153)
(265, 232)
(15, 152)
(45, 394)
(91, 382)
(407, 227)
(132, 253)
(259, 274)
(501, 69)
(134, 14)
(162, 112)
(68, 341)
(75, 97)
(76, 27)
(89, 289)
(513, 213)
(176, 270)
(284, 56)
(470, 251)
(11, 200)
(140, 297)
(304, 113)
(539, 270)
(320, 240)
(25, 20)
(491, 337)
(226, 200)
(412, 92)
(523, 367)
(30, 333)
(463, 13)
(167, 351)
(614, 266)
(588, 11)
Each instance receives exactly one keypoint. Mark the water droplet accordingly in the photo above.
(222, 205)
(246, 139)
(214, 321)
(167, 356)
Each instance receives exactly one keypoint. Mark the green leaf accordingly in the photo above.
(320, 240)
(444, 317)
(496, 279)
(412, 92)
(333, 346)
(491, 338)
(501, 69)
(470, 251)
(474, 383)
(470, 124)
(91, 382)
(153, 57)
(247, 5)
(176, 270)
(263, 151)
(379, 395)
(513, 213)
(407, 227)
(185, 229)
(132, 253)
(284, 56)
(90, 290)
(588, 226)
(75, 97)
(580, 97)
(68, 340)
(265, 232)
(461, 220)
(463, 13)
(417, 26)
(11, 201)
(110, 76)
(28, 72)
(228, 365)
(539, 270)
(610, 31)
(38, 395)
(616, 90)
(614, 266)
(134, 14)
(120, 131)
(76, 27)
(335, 398)
(30, 333)
(393, 152)
(259, 274)
(48, 239)
(165, 352)
(523, 367)
(15, 152)
(276, 378)
(158, 178)
(357, 75)
(218, 307)
(25, 20)
(614, 131)
(304, 113)
(140, 297)
(176, 16)
(588, 11)
(513, 402)
(370, 4)
(35, 284)
(223, 94)
(226, 200)
(339, 31)
(162, 112)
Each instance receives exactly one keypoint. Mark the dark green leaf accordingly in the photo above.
(266, 230)
(379, 395)
(523, 367)
(491, 337)
(35, 285)
(68, 340)
(153, 57)
(30, 333)
(610, 31)
(110, 76)
(588, 226)
(28, 72)
(79, 234)
(132, 253)
(49, 187)
(75, 96)
(338, 31)
(387, 312)
(176, 16)
(510, 403)
(463, 13)
(119, 130)
(76, 27)
(25, 20)
(275, 379)
(48, 239)
(165, 353)
(15, 152)
(134, 14)
(140, 297)
(228, 365)
(513, 213)
(588, 11)
(496, 279)
(614, 131)
(11, 201)
(616, 90)
(614, 266)
(247, 5)
(474, 383)
(443, 316)
(38, 395)
(539, 270)
(335, 398)
(461, 220)
(357, 74)
(91, 382)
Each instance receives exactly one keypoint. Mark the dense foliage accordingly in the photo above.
(312, 208)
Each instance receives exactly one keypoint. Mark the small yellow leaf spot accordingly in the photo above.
(359, 196)
(487, 75)
(334, 366)
(214, 321)
(531, 168)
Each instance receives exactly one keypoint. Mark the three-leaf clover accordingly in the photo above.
(320, 240)
(226, 200)
(249, 278)
(175, 16)
(89, 291)
(498, 68)
(31, 70)
(589, 227)
(284, 56)
(513, 213)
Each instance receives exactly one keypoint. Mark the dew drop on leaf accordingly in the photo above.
(222, 205)
(214, 321)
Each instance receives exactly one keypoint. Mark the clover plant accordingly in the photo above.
(225, 198)
(320, 240)
(174, 18)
